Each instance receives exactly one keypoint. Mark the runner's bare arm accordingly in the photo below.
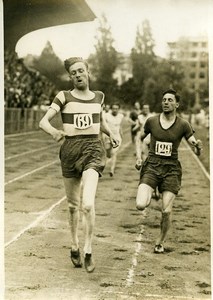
(139, 159)
(137, 126)
(197, 145)
(105, 129)
(121, 132)
(45, 125)
(143, 135)
(121, 127)
(131, 121)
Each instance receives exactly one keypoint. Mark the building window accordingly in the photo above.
(202, 75)
(193, 64)
(203, 54)
(204, 44)
(194, 44)
(202, 64)
(203, 86)
(194, 54)
(192, 75)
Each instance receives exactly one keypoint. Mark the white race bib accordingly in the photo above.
(83, 121)
(163, 148)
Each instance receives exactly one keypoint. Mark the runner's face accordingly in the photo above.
(137, 105)
(107, 108)
(115, 109)
(169, 103)
(79, 75)
(145, 110)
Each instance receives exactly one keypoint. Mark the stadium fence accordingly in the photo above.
(17, 120)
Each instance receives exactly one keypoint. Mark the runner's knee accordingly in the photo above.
(141, 206)
(167, 208)
(143, 196)
(73, 203)
(87, 208)
(142, 203)
(166, 212)
(73, 208)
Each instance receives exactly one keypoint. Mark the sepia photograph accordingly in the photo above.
(106, 149)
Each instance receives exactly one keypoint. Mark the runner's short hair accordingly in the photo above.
(72, 60)
(173, 92)
(115, 103)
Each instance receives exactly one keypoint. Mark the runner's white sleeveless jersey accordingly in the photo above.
(114, 123)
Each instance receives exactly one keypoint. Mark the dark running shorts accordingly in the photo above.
(78, 154)
(162, 172)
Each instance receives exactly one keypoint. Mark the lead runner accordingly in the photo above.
(82, 153)
(162, 168)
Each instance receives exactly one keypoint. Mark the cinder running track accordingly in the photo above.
(37, 237)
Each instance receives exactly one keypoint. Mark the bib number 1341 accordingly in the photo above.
(163, 148)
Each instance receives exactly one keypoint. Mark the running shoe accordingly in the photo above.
(159, 248)
(76, 258)
(111, 174)
(88, 263)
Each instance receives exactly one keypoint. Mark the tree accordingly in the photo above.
(143, 57)
(167, 74)
(143, 64)
(128, 92)
(104, 62)
(50, 65)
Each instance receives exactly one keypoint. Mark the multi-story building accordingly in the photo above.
(193, 54)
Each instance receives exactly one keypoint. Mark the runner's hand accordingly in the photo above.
(138, 164)
(115, 143)
(198, 147)
(58, 135)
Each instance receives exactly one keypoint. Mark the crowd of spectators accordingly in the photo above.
(24, 87)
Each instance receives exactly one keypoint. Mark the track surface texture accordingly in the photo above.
(37, 234)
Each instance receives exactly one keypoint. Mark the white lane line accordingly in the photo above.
(170, 297)
(198, 161)
(30, 173)
(22, 133)
(152, 296)
(47, 165)
(27, 152)
(138, 247)
(47, 212)
(35, 223)
(131, 271)
(38, 131)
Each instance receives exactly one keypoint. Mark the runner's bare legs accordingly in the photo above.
(73, 192)
(143, 200)
(167, 203)
(112, 160)
(144, 196)
(72, 188)
(138, 149)
(90, 182)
